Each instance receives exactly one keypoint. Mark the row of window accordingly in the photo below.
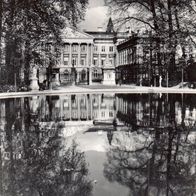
(74, 61)
(103, 48)
(103, 61)
(83, 48)
(141, 55)
(83, 61)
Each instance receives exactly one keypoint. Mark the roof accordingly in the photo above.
(73, 33)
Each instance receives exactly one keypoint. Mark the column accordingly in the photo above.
(89, 65)
(70, 54)
(91, 56)
(87, 55)
(117, 59)
(117, 104)
(79, 53)
(78, 64)
(99, 60)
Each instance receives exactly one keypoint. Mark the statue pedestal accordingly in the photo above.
(109, 76)
(34, 84)
(34, 80)
(56, 81)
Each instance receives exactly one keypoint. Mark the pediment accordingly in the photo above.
(71, 33)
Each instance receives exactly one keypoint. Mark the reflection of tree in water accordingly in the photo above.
(46, 165)
(163, 166)
(157, 162)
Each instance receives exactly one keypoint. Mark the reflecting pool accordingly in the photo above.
(98, 145)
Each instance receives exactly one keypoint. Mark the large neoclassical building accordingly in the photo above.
(82, 58)
(107, 57)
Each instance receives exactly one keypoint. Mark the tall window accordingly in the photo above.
(95, 73)
(75, 48)
(66, 48)
(110, 114)
(66, 60)
(74, 61)
(95, 61)
(103, 49)
(111, 48)
(83, 48)
(83, 61)
(95, 48)
(102, 62)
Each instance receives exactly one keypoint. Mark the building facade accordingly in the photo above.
(82, 57)
(110, 58)
(138, 60)
(103, 57)
(72, 59)
(144, 59)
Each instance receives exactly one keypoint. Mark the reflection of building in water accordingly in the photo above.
(152, 110)
(81, 107)
(188, 116)
(73, 113)
(70, 112)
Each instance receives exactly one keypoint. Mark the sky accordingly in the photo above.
(96, 16)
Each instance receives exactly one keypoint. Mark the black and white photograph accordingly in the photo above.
(97, 97)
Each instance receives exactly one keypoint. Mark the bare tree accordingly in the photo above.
(172, 21)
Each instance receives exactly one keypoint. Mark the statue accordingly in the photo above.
(140, 80)
(160, 81)
(33, 79)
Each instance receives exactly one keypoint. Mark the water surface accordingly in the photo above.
(99, 145)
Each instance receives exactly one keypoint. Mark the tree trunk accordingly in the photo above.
(10, 44)
(27, 62)
(157, 33)
(10, 60)
(171, 40)
(1, 19)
